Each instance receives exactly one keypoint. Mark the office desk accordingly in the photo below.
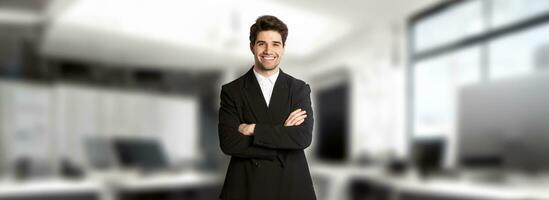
(462, 189)
(51, 190)
(190, 185)
(359, 183)
(186, 185)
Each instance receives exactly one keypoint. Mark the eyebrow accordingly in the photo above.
(276, 42)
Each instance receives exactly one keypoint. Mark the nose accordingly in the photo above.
(267, 49)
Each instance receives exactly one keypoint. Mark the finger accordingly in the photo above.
(300, 117)
(300, 112)
(288, 123)
(297, 118)
(299, 122)
(291, 121)
(292, 114)
(241, 128)
(295, 112)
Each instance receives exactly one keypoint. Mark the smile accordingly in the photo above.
(268, 58)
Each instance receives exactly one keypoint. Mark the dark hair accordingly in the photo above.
(268, 23)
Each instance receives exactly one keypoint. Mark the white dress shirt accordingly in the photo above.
(267, 84)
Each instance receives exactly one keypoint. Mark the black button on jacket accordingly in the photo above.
(271, 164)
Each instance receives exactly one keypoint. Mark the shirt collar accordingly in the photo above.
(271, 79)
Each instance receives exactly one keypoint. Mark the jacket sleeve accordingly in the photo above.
(231, 141)
(291, 137)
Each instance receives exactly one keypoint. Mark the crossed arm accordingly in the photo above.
(230, 140)
(296, 118)
(263, 140)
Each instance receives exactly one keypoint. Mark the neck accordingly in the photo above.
(265, 73)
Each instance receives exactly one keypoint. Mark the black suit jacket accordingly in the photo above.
(270, 164)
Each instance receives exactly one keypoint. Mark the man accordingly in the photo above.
(265, 123)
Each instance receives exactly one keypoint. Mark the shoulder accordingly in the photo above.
(295, 82)
(298, 86)
(233, 85)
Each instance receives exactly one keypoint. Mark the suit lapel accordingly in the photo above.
(255, 98)
(279, 98)
(279, 104)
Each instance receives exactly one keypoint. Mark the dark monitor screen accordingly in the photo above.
(428, 154)
(332, 108)
(140, 153)
(505, 122)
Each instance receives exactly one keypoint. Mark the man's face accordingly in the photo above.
(268, 50)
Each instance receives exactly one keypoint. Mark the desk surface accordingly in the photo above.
(458, 188)
(168, 181)
(102, 186)
(47, 187)
(439, 186)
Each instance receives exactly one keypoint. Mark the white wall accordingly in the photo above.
(26, 126)
(111, 113)
(51, 122)
(374, 56)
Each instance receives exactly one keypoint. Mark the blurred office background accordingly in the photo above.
(413, 99)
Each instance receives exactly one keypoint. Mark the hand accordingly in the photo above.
(296, 118)
(246, 129)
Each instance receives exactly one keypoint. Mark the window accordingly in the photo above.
(437, 81)
(507, 12)
(466, 42)
(465, 19)
(519, 53)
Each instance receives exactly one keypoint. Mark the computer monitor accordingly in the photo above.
(99, 152)
(428, 155)
(144, 154)
(505, 123)
(332, 113)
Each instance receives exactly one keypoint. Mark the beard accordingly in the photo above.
(266, 68)
(263, 67)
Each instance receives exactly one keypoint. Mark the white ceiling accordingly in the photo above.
(362, 11)
(206, 33)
